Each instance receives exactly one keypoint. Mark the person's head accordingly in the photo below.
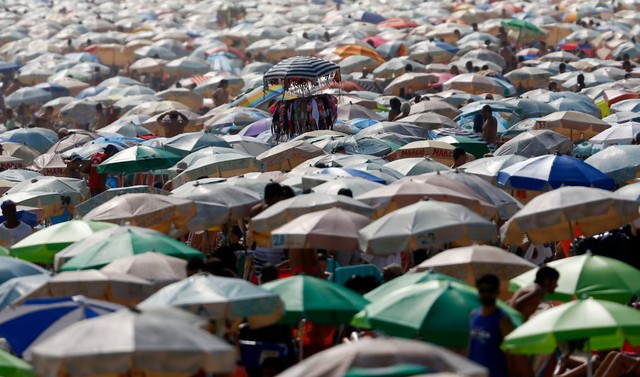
(487, 42)
(395, 104)
(269, 273)
(459, 156)
(223, 84)
(322, 262)
(1, 149)
(417, 98)
(391, 272)
(636, 139)
(474, 26)
(75, 160)
(469, 66)
(345, 192)
(487, 111)
(214, 266)
(488, 96)
(476, 69)
(405, 108)
(63, 132)
(99, 108)
(272, 193)
(454, 70)
(580, 79)
(110, 150)
(9, 211)
(194, 266)
(488, 288)
(48, 110)
(181, 166)
(340, 149)
(562, 68)
(96, 69)
(553, 86)
(625, 57)
(547, 278)
(287, 192)
(408, 68)
(626, 66)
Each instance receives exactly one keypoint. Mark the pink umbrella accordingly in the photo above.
(376, 41)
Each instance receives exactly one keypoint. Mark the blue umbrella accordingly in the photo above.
(349, 172)
(56, 90)
(40, 318)
(369, 17)
(91, 91)
(445, 46)
(15, 288)
(12, 268)
(362, 123)
(8, 67)
(82, 57)
(553, 171)
(40, 139)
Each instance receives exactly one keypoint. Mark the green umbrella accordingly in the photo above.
(398, 370)
(11, 366)
(317, 300)
(137, 159)
(4, 252)
(407, 280)
(601, 325)
(478, 148)
(41, 246)
(437, 312)
(596, 276)
(108, 245)
(523, 27)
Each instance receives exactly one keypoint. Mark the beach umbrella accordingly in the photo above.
(437, 311)
(596, 324)
(155, 267)
(121, 289)
(158, 212)
(288, 155)
(396, 67)
(400, 194)
(89, 204)
(572, 123)
(11, 366)
(358, 63)
(218, 297)
(156, 52)
(41, 246)
(559, 56)
(300, 67)
(629, 105)
(289, 209)
(350, 111)
(222, 165)
(318, 300)
(239, 201)
(631, 191)
(349, 172)
(74, 191)
(429, 121)
(14, 288)
(137, 159)
(331, 229)
(20, 151)
(588, 275)
(472, 262)
(529, 108)
(619, 134)
(431, 52)
(38, 139)
(133, 342)
(558, 214)
(474, 84)
(73, 140)
(553, 171)
(416, 165)
(487, 168)
(381, 356)
(438, 107)
(50, 163)
(12, 268)
(437, 151)
(127, 126)
(358, 186)
(120, 242)
(535, 143)
(425, 224)
(184, 96)
(17, 323)
(410, 82)
(190, 142)
(477, 148)
(357, 50)
(620, 162)
(187, 66)
(246, 144)
(27, 96)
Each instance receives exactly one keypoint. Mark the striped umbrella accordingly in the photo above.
(259, 96)
(300, 68)
(351, 50)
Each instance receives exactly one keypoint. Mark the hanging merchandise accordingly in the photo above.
(297, 116)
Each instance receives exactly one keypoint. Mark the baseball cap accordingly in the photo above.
(6, 204)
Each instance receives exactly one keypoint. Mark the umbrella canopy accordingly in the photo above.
(425, 224)
(38, 139)
(602, 324)
(488, 168)
(41, 247)
(27, 96)
(437, 151)
(572, 124)
(620, 134)
(429, 121)
(471, 263)
(221, 165)
(409, 279)
(121, 289)
(290, 209)
(620, 162)
(130, 342)
(532, 143)
(409, 83)
(12, 268)
(288, 155)
(155, 267)
(239, 200)
(158, 212)
(106, 246)
(137, 159)
(556, 215)
(219, 298)
(18, 326)
(371, 353)
(13, 289)
(553, 171)
(437, 311)
(418, 165)
(332, 229)
(318, 300)
(11, 366)
(299, 67)
(474, 84)
(190, 142)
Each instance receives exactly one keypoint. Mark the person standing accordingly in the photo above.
(526, 300)
(98, 181)
(459, 158)
(489, 127)
(12, 229)
(221, 95)
(489, 325)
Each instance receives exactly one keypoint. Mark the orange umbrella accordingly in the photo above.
(398, 23)
(351, 50)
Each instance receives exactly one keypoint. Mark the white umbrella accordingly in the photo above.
(158, 268)
(132, 343)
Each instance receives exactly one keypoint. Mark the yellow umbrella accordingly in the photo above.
(114, 54)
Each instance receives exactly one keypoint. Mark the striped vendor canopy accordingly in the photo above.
(301, 73)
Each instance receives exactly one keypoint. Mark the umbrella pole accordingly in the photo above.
(301, 339)
(589, 366)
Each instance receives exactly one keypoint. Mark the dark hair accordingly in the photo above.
(562, 66)
(487, 108)
(395, 103)
(458, 152)
(345, 192)
(408, 68)
(99, 107)
(287, 192)
(272, 190)
(269, 273)
(490, 280)
(223, 82)
(545, 273)
(214, 266)
(195, 264)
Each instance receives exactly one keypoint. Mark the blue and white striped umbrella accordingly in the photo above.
(38, 319)
(300, 67)
(553, 171)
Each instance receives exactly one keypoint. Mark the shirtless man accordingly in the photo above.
(527, 299)
(489, 128)
(221, 95)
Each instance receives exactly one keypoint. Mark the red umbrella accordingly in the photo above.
(398, 23)
(235, 51)
(614, 96)
(442, 78)
(376, 41)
